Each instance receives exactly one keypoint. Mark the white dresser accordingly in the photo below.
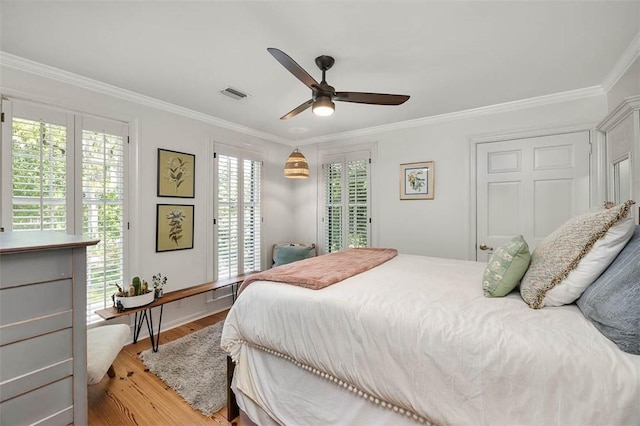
(43, 353)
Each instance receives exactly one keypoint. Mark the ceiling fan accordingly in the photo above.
(323, 94)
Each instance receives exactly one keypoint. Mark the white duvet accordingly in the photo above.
(417, 332)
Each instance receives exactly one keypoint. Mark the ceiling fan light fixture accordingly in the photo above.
(296, 166)
(323, 106)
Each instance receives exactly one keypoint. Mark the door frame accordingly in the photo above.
(597, 167)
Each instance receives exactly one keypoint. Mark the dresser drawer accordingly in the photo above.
(36, 267)
(53, 402)
(31, 310)
(33, 301)
(50, 358)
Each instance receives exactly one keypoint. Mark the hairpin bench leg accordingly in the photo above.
(146, 316)
(155, 343)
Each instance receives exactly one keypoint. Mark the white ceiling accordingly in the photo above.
(449, 56)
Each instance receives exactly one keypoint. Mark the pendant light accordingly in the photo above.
(296, 166)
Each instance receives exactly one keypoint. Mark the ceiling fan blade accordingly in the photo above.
(297, 110)
(293, 67)
(370, 98)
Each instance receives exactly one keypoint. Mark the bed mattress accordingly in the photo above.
(417, 337)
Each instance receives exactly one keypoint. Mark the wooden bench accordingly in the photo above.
(143, 314)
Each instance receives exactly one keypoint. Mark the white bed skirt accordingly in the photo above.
(261, 378)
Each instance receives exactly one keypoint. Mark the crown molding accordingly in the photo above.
(460, 115)
(631, 53)
(626, 107)
(42, 70)
(36, 68)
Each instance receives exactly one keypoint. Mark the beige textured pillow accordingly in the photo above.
(569, 259)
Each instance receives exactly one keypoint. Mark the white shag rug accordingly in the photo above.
(195, 367)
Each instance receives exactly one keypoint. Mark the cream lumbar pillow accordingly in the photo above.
(506, 267)
(569, 259)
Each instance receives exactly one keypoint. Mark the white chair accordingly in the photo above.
(103, 346)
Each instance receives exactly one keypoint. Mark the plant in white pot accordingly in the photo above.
(137, 294)
(158, 283)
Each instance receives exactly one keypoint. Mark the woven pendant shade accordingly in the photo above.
(296, 166)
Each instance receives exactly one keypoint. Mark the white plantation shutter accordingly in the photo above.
(227, 216)
(252, 215)
(358, 203)
(39, 174)
(103, 210)
(238, 213)
(346, 201)
(333, 206)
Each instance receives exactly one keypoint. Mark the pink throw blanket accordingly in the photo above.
(319, 272)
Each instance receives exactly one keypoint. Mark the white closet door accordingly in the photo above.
(529, 186)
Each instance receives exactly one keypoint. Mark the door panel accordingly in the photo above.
(552, 204)
(503, 221)
(529, 186)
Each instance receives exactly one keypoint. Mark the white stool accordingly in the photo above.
(103, 346)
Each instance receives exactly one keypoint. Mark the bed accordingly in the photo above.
(415, 340)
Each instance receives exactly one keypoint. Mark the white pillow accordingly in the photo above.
(568, 260)
(591, 266)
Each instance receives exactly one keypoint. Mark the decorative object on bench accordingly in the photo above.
(144, 314)
(103, 346)
(284, 253)
(195, 367)
(158, 283)
(137, 294)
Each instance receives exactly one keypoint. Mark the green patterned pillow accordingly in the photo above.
(506, 268)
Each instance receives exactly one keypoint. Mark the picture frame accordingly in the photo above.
(174, 227)
(417, 181)
(176, 174)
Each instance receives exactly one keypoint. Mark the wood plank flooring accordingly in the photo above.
(138, 397)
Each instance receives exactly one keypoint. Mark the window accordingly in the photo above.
(38, 177)
(66, 172)
(346, 201)
(103, 212)
(238, 213)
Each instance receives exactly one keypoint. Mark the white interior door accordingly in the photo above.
(529, 186)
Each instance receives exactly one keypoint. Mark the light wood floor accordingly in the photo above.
(137, 397)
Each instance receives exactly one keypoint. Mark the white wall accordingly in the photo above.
(152, 129)
(439, 227)
(627, 85)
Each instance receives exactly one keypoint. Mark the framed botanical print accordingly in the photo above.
(416, 181)
(174, 227)
(176, 174)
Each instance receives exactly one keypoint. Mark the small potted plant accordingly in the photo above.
(158, 282)
(137, 294)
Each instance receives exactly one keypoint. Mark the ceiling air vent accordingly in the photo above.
(233, 93)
